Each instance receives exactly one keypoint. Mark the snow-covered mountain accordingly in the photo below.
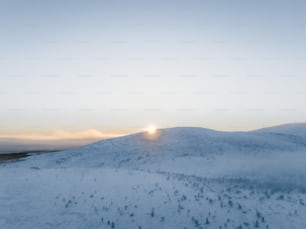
(296, 129)
(176, 178)
(142, 150)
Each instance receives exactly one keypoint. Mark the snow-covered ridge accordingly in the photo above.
(296, 129)
(138, 150)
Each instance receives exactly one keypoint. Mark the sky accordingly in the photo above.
(105, 68)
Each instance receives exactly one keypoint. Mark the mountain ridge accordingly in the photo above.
(140, 149)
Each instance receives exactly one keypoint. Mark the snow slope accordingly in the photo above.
(142, 150)
(180, 178)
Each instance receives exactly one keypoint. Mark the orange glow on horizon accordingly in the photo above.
(63, 135)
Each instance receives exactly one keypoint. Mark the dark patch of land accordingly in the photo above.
(12, 156)
(16, 156)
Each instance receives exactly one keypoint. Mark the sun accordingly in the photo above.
(151, 129)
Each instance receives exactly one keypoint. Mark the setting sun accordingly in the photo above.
(151, 129)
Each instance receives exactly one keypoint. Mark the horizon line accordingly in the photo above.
(94, 134)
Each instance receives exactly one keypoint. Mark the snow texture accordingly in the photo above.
(179, 178)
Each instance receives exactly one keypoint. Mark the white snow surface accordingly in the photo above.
(178, 178)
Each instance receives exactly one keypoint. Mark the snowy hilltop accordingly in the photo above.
(176, 178)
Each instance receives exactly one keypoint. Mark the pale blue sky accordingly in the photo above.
(117, 66)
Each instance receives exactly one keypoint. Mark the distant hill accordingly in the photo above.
(141, 149)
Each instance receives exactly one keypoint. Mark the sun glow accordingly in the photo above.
(151, 129)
